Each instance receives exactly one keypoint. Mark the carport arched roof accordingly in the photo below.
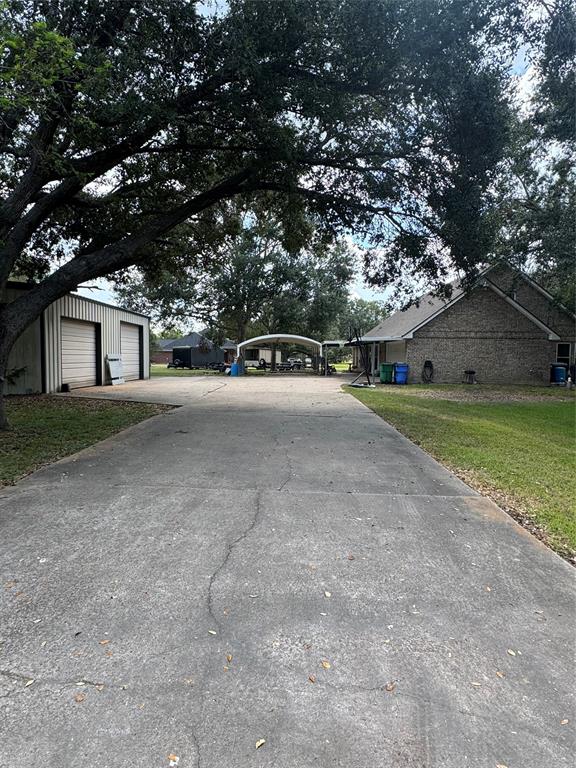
(280, 338)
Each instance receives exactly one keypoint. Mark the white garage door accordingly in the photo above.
(79, 354)
(130, 350)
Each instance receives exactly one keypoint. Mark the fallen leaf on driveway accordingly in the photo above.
(327, 594)
(312, 678)
(103, 642)
(212, 632)
(27, 683)
(79, 698)
(500, 674)
(174, 759)
(564, 722)
(228, 657)
(326, 664)
(99, 687)
(390, 686)
(478, 685)
(510, 652)
(501, 765)
(260, 743)
(350, 557)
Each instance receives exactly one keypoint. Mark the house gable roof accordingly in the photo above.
(404, 323)
(401, 324)
(191, 340)
(552, 335)
(545, 293)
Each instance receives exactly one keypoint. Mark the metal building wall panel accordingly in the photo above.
(24, 356)
(108, 318)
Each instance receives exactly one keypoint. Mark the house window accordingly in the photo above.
(563, 353)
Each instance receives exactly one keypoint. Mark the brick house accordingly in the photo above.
(507, 328)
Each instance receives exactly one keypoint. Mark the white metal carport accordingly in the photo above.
(280, 338)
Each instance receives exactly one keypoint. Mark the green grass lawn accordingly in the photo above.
(45, 429)
(515, 444)
(159, 369)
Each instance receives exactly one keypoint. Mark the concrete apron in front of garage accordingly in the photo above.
(272, 561)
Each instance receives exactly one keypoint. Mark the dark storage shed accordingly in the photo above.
(197, 357)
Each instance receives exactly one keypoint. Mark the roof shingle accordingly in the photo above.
(401, 323)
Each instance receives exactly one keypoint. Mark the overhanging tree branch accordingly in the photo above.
(119, 255)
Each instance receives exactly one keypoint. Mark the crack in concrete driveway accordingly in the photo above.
(370, 610)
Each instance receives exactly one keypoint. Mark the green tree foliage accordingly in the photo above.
(537, 218)
(129, 126)
(251, 285)
(556, 62)
(359, 314)
(536, 192)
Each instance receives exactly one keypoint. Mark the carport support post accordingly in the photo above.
(273, 363)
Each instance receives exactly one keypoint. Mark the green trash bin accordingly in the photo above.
(386, 373)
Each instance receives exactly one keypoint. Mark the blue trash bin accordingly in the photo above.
(234, 369)
(401, 373)
(559, 373)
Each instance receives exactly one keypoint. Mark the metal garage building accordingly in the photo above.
(67, 346)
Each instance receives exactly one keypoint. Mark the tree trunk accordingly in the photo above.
(4, 424)
(7, 338)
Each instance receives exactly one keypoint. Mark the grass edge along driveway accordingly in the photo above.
(45, 429)
(161, 369)
(521, 453)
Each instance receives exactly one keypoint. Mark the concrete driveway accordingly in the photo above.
(271, 561)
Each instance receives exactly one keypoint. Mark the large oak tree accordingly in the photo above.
(127, 126)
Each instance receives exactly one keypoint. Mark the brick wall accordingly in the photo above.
(161, 357)
(484, 333)
(534, 301)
